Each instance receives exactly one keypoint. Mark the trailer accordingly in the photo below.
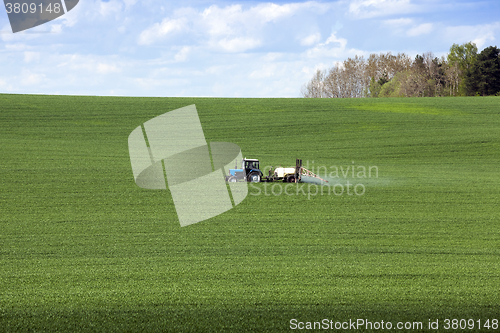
(250, 172)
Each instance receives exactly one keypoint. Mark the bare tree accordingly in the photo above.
(425, 75)
(315, 87)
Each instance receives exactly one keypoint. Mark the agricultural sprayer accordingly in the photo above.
(250, 172)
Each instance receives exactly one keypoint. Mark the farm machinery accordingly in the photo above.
(250, 172)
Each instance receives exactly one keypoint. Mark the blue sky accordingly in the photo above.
(225, 48)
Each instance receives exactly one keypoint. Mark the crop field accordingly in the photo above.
(83, 248)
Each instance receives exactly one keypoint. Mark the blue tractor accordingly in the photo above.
(249, 172)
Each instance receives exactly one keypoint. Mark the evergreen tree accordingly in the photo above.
(484, 76)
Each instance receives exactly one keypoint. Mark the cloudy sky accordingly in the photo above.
(225, 48)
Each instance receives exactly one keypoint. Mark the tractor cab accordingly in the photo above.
(250, 164)
(249, 171)
(252, 170)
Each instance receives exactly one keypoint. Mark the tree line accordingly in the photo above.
(462, 72)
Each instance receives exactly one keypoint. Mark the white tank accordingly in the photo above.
(281, 172)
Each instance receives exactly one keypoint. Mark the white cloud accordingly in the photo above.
(231, 28)
(272, 56)
(309, 71)
(160, 30)
(311, 39)
(56, 28)
(31, 56)
(5, 86)
(79, 63)
(266, 71)
(334, 39)
(408, 27)
(103, 68)
(112, 7)
(183, 53)
(270, 12)
(322, 56)
(401, 22)
(129, 3)
(22, 36)
(421, 29)
(333, 47)
(239, 44)
(152, 83)
(375, 8)
(30, 79)
(221, 21)
(18, 47)
(481, 34)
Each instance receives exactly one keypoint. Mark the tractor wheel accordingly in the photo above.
(254, 177)
(291, 179)
(232, 179)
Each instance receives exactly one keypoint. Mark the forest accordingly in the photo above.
(462, 72)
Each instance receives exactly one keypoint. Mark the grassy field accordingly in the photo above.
(82, 248)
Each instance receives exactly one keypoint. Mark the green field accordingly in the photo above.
(82, 248)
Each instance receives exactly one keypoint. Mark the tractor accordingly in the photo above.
(249, 172)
